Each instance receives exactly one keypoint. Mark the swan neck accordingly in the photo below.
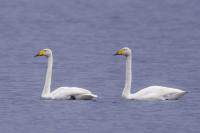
(47, 85)
(127, 88)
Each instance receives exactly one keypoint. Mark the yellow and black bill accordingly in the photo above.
(40, 53)
(119, 53)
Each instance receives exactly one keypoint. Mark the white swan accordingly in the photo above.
(149, 93)
(69, 93)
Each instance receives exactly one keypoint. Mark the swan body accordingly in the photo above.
(73, 93)
(68, 93)
(149, 93)
(156, 93)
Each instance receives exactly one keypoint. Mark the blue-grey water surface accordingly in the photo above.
(164, 36)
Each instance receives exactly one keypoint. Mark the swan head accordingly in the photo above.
(124, 51)
(45, 52)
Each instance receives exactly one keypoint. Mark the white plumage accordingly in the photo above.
(157, 93)
(72, 93)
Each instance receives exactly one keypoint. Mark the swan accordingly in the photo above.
(149, 93)
(68, 93)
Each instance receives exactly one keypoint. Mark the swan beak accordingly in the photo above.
(119, 53)
(40, 54)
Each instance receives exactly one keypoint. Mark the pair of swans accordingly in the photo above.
(74, 93)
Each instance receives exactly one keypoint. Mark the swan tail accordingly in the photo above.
(86, 96)
(184, 92)
(177, 96)
(95, 95)
(181, 94)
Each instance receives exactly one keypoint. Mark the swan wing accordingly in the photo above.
(159, 93)
(72, 93)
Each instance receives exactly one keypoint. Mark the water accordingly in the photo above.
(83, 35)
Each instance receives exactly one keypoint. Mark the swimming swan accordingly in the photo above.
(68, 93)
(149, 93)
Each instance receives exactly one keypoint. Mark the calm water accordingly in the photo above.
(83, 35)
